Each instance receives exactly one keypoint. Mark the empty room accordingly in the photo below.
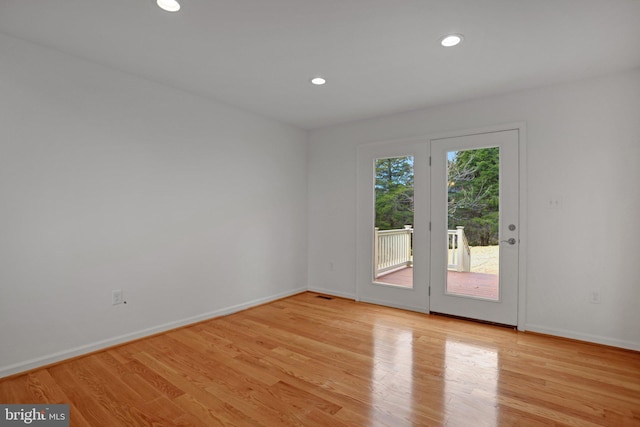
(348, 213)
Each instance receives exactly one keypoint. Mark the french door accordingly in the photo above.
(438, 225)
(475, 226)
(393, 224)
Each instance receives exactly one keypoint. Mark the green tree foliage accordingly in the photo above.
(474, 194)
(394, 192)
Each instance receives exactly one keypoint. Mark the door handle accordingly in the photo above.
(511, 241)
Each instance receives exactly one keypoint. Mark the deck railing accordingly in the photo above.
(459, 253)
(392, 249)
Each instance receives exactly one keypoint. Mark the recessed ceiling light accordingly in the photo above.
(451, 40)
(318, 81)
(169, 5)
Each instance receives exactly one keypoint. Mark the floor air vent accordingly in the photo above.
(323, 297)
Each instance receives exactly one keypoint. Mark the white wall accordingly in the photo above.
(108, 181)
(583, 147)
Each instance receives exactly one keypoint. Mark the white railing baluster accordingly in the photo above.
(392, 249)
(459, 253)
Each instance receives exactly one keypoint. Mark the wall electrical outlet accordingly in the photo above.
(116, 297)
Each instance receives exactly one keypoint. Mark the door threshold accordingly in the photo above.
(485, 322)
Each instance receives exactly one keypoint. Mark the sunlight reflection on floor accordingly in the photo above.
(471, 381)
(392, 388)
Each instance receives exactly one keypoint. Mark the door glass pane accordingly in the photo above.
(472, 223)
(393, 234)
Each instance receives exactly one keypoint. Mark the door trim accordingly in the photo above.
(521, 127)
(415, 298)
(504, 308)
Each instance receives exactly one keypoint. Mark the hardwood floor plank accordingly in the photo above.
(306, 361)
(88, 404)
(195, 397)
(301, 399)
(44, 389)
(157, 382)
(136, 378)
(206, 414)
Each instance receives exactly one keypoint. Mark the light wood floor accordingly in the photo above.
(316, 362)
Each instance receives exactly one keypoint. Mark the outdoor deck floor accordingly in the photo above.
(481, 285)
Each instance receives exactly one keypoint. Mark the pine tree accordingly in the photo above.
(394, 192)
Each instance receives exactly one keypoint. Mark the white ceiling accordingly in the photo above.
(379, 56)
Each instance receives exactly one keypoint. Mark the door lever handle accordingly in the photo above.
(511, 241)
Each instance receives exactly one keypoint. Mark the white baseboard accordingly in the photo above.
(596, 339)
(331, 292)
(49, 359)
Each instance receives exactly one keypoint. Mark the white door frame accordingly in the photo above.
(363, 244)
(522, 202)
(503, 310)
(367, 289)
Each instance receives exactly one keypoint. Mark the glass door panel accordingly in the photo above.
(473, 213)
(393, 232)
